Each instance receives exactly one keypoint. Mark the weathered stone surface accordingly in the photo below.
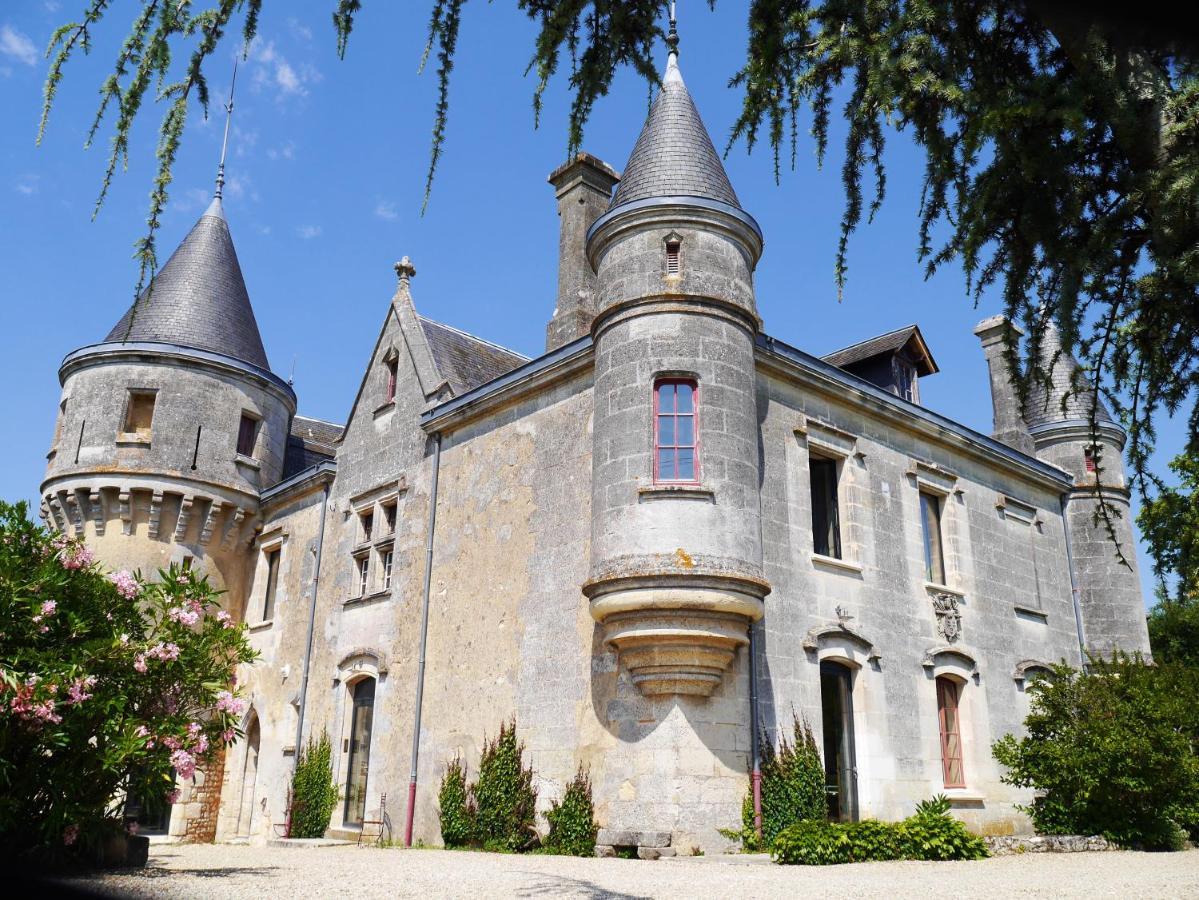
(1049, 843)
(654, 852)
(605, 851)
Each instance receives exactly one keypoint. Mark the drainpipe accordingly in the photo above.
(424, 634)
(756, 773)
(316, 580)
(1082, 640)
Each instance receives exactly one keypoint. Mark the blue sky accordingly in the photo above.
(326, 174)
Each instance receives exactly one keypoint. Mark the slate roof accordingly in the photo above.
(199, 298)
(891, 342)
(674, 156)
(466, 361)
(310, 442)
(1044, 403)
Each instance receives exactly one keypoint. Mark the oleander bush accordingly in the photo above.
(456, 812)
(792, 787)
(1113, 751)
(572, 820)
(111, 687)
(930, 834)
(313, 793)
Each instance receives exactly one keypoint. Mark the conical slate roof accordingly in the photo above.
(674, 156)
(199, 298)
(1044, 404)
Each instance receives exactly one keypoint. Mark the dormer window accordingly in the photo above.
(905, 380)
(674, 245)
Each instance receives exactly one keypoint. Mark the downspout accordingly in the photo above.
(1082, 640)
(756, 771)
(316, 580)
(424, 634)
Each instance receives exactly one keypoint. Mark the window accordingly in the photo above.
(905, 380)
(930, 518)
(363, 564)
(392, 368)
(826, 525)
(672, 257)
(389, 517)
(1088, 456)
(187, 563)
(388, 557)
(676, 450)
(247, 433)
(139, 413)
(950, 728)
(272, 585)
(367, 519)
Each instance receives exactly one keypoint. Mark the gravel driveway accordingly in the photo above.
(207, 870)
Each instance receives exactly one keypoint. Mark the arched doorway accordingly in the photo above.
(249, 779)
(358, 765)
(840, 753)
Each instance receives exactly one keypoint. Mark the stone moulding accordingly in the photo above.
(821, 637)
(676, 634)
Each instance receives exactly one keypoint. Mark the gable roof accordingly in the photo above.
(466, 361)
(199, 298)
(908, 337)
(674, 156)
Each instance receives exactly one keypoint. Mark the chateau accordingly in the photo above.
(665, 533)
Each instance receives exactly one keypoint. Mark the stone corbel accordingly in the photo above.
(232, 528)
(95, 505)
(214, 510)
(184, 518)
(71, 503)
(155, 514)
(125, 511)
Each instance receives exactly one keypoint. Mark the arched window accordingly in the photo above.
(949, 725)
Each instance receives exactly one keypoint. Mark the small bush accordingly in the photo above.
(572, 822)
(457, 815)
(1111, 751)
(505, 799)
(313, 793)
(930, 834)
(792, 786)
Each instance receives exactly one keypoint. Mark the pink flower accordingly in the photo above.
(44, 712)
(142, 731)
(70, 834)
(171, 742)
(184, 763)
(126, 584)
(76, 556)
(78, 691)
(183, 615)
(173, 796)
(140, 663)
(225, 619)
(202, 744)
(227, 735)
(194, 728)
(49, 607)
(226, 702)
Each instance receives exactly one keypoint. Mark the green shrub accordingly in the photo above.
(110, 686)
(313, 794)
(930, 834)
(572, 822)
(792, 786)
(1111, 751)
(457, 815)
(505, 799)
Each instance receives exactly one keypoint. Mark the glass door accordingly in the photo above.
(840, 763)
(360, 750)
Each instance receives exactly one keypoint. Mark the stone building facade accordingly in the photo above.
(620, 543)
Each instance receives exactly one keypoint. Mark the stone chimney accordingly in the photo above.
(1008, 424)
(583, 186)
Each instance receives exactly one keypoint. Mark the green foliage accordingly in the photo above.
(572, 821)
(505, 799)
(1112, 751)
(1169, 524)
(930, 834)
(457, 815)
(313, 794)
(792, 786)
(107, 683)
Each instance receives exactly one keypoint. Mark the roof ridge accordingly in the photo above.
(474, 337)
(318, 419)
(869, 339)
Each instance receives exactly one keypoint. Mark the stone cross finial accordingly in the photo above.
(405, 270)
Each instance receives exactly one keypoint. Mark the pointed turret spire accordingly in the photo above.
(1044, 403)
(674, 156)
(220, 170)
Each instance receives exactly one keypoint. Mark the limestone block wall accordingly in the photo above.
(1005, 567)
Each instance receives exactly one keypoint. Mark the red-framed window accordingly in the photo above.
(676, 432)
(948, 716)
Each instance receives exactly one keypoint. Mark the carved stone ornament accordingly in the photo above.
(949, 617)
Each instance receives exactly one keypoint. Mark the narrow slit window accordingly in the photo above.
(392, 370)
(368, 526)
(388, 559)
(949, 725)
(139, 414)
(363, 564)
(389, 518)
(672, 257)
(826, 521)
(676, 442)
(247, 435)
(934, 555)
(272, 585)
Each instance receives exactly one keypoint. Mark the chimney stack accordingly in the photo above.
(583, 186)
(1008, 424)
